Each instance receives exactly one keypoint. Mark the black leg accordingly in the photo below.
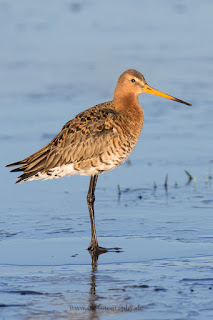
(90, 202)
(93, 247)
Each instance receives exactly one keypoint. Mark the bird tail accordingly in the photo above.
(31, 165)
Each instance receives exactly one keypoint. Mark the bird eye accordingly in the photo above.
(133, 80)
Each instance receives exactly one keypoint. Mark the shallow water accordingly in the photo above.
(56, 59)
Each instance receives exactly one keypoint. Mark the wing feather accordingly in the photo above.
(85, 137)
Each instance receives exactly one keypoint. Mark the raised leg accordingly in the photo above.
(93, 247)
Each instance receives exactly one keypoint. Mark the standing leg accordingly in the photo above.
(90, 201)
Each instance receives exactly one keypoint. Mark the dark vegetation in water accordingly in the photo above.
(165, 184)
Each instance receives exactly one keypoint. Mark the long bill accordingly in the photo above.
(151, 90)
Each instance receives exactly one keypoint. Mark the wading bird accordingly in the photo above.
(97, 140)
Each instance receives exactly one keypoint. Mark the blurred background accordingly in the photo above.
(58, 58)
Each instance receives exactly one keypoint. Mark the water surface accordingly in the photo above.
(56, 59)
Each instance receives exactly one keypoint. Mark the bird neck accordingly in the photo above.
(131, 113)
(127, 103)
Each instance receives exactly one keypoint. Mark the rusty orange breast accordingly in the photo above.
(131, 113)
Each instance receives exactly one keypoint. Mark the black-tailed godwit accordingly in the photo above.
(97, 140)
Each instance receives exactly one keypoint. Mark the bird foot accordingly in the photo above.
(95, 249)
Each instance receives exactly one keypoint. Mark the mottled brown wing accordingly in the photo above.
(85, 137)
